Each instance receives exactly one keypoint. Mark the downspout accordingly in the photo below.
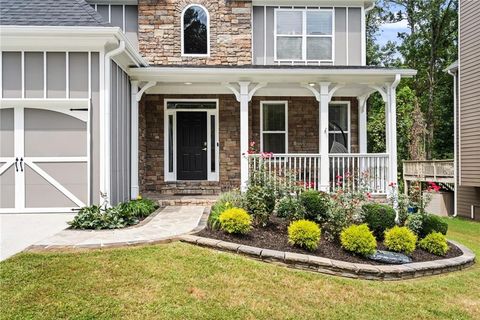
(455, 136)
(107, 113)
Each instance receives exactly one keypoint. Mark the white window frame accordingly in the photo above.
(172, 176)
(208, 32)
(304, 35)
(285, 103)
(349, 129)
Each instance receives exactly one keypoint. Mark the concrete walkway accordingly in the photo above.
(18, 231)
(169, 223)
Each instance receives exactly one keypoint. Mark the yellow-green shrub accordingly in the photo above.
(358, 239)
(400, 239)
(435, 243)
(235, 220)
(305, 234)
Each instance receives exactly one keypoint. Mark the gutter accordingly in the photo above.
(455, 134)
(106, 116)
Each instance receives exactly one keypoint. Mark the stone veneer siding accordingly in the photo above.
(303, 138)
(159, 32)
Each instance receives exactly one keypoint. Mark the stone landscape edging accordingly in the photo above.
(341, 268)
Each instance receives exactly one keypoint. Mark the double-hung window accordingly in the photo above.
(273, 126)
(304, 35)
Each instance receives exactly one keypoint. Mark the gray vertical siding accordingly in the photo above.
(354, 36)
(78, 74)
(120, 135)
(348, 42)
(56, 67)
(12, 74)
(341, 36)
(56, 75)
(122, 16)
(34, 75)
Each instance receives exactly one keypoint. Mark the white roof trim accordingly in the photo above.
(90, 35)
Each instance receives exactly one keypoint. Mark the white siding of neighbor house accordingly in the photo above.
(468, 134)
(348, 46)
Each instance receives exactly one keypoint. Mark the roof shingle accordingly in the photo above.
(49, 13)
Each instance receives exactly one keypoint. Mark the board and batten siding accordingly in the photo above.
(120, 135)
(124, 16)
(469, 111)
(49, 75)
(348, 46)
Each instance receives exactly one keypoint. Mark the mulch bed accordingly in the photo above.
(274, 237)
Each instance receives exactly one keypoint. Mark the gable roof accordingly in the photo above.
(49, 13)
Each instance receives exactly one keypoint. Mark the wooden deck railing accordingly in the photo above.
(429, 170)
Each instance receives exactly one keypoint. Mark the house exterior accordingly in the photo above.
(467, 113)
(109, 99)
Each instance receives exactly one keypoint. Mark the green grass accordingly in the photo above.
(181, 281)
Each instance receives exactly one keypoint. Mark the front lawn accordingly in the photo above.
(181, 281)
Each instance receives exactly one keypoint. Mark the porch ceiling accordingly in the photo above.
(281, 81)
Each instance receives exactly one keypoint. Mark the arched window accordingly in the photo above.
(195, 31)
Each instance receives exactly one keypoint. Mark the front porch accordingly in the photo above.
(311, 121)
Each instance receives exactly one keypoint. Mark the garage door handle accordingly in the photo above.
(21, 164)
(16, 164)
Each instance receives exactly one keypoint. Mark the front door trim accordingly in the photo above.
(170, 170)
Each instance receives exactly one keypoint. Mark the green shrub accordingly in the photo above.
(259, 201)
(235, 220)
(423, 224)
(400, 239)
(358, 239)
(435, 243)
(415, 222)
(120, 216)
(337, 220)
(139, 208)
(433, 223)
(305, 234)
(379, 218)
(289, 207)
(315, 204)
(226, 201)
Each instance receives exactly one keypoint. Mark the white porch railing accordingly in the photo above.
(370, 170)
(350, 171)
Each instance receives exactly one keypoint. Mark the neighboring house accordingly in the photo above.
(165, 96)
(467, 113)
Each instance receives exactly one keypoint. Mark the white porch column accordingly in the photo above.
(244, 99)
(134, 189)
(391, 129)
(362, 123)
(325, 97)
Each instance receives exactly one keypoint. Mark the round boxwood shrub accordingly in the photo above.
(400, 239)
(423, 224)
(433, 223)
(435, 243)
(315, 204)
(289, 207)
(379, 218)
(358, 239)
(235, 220)
(305, 234)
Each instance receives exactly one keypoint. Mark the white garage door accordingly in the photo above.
(43, 159)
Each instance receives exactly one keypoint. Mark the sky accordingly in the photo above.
(389, 31)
